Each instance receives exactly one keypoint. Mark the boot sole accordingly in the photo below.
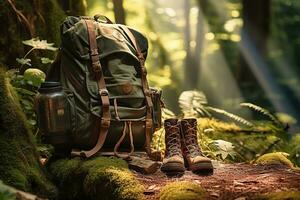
(202, 168)
(172, 168)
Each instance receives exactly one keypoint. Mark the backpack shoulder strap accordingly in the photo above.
(146, 89)
(97, 69)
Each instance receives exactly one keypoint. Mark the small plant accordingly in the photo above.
(263, 111)
(223, 149)
(26, 84)
(36, 44)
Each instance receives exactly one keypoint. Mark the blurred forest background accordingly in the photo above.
(233, 50)
(224, 52)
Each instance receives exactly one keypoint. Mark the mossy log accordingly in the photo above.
(97, 178)
(19, 159)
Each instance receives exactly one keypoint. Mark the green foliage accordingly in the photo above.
(97, 178)
(182, 190)
(18, 156)
(6, 193)
(34, 77)
(44, 19)
(223, 149)
(294, 149)
(264, 112)
(248, 143)
(285, 118)
(231, 116)
(223, 140)
(24, 61)
(26, 84)
(26, 89)
(194, 103)
(277, 158)
(46, 60)
(36, 43)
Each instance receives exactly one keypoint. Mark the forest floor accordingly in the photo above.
(230, 181)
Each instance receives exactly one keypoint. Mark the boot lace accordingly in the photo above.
(191, 141)
(173, 140)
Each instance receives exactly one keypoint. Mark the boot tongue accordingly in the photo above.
(191, 121)
(171, 121)
(190, 135)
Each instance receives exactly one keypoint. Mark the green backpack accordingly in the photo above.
(101, 68)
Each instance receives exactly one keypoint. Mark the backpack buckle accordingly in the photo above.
(144, 71)
(103, 92)
(96, 67)
(149, 123)
(105, 122)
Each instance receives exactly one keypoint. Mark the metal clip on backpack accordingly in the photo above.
(97, 91)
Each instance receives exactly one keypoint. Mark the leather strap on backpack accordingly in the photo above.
(147, 92)
(97, 69)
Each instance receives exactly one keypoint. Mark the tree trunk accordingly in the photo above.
(187, 39)
(256, 17)
(73, 7)
(254, 66)
(199, 41)
(119, 12)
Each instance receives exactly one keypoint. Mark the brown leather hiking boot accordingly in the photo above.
(195, 160)
(173, 161)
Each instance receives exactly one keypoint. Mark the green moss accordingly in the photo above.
(65, 168)
(112, 183)
(6, 193)
(294, 149)
(104, 162)
(207, 123)
(182, 190)
(19, 166)
(285, 195)
(97, 178)
(53, 16)
(276, 158)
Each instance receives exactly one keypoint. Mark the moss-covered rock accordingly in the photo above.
(276, 158)
(19, 166)
(284, 195)
(97, 178)
(182, 191)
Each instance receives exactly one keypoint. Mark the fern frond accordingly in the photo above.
(262, 111)
(167, 114)
(231, 115)
(192, 103)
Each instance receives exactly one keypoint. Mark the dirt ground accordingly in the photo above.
(230, 181)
